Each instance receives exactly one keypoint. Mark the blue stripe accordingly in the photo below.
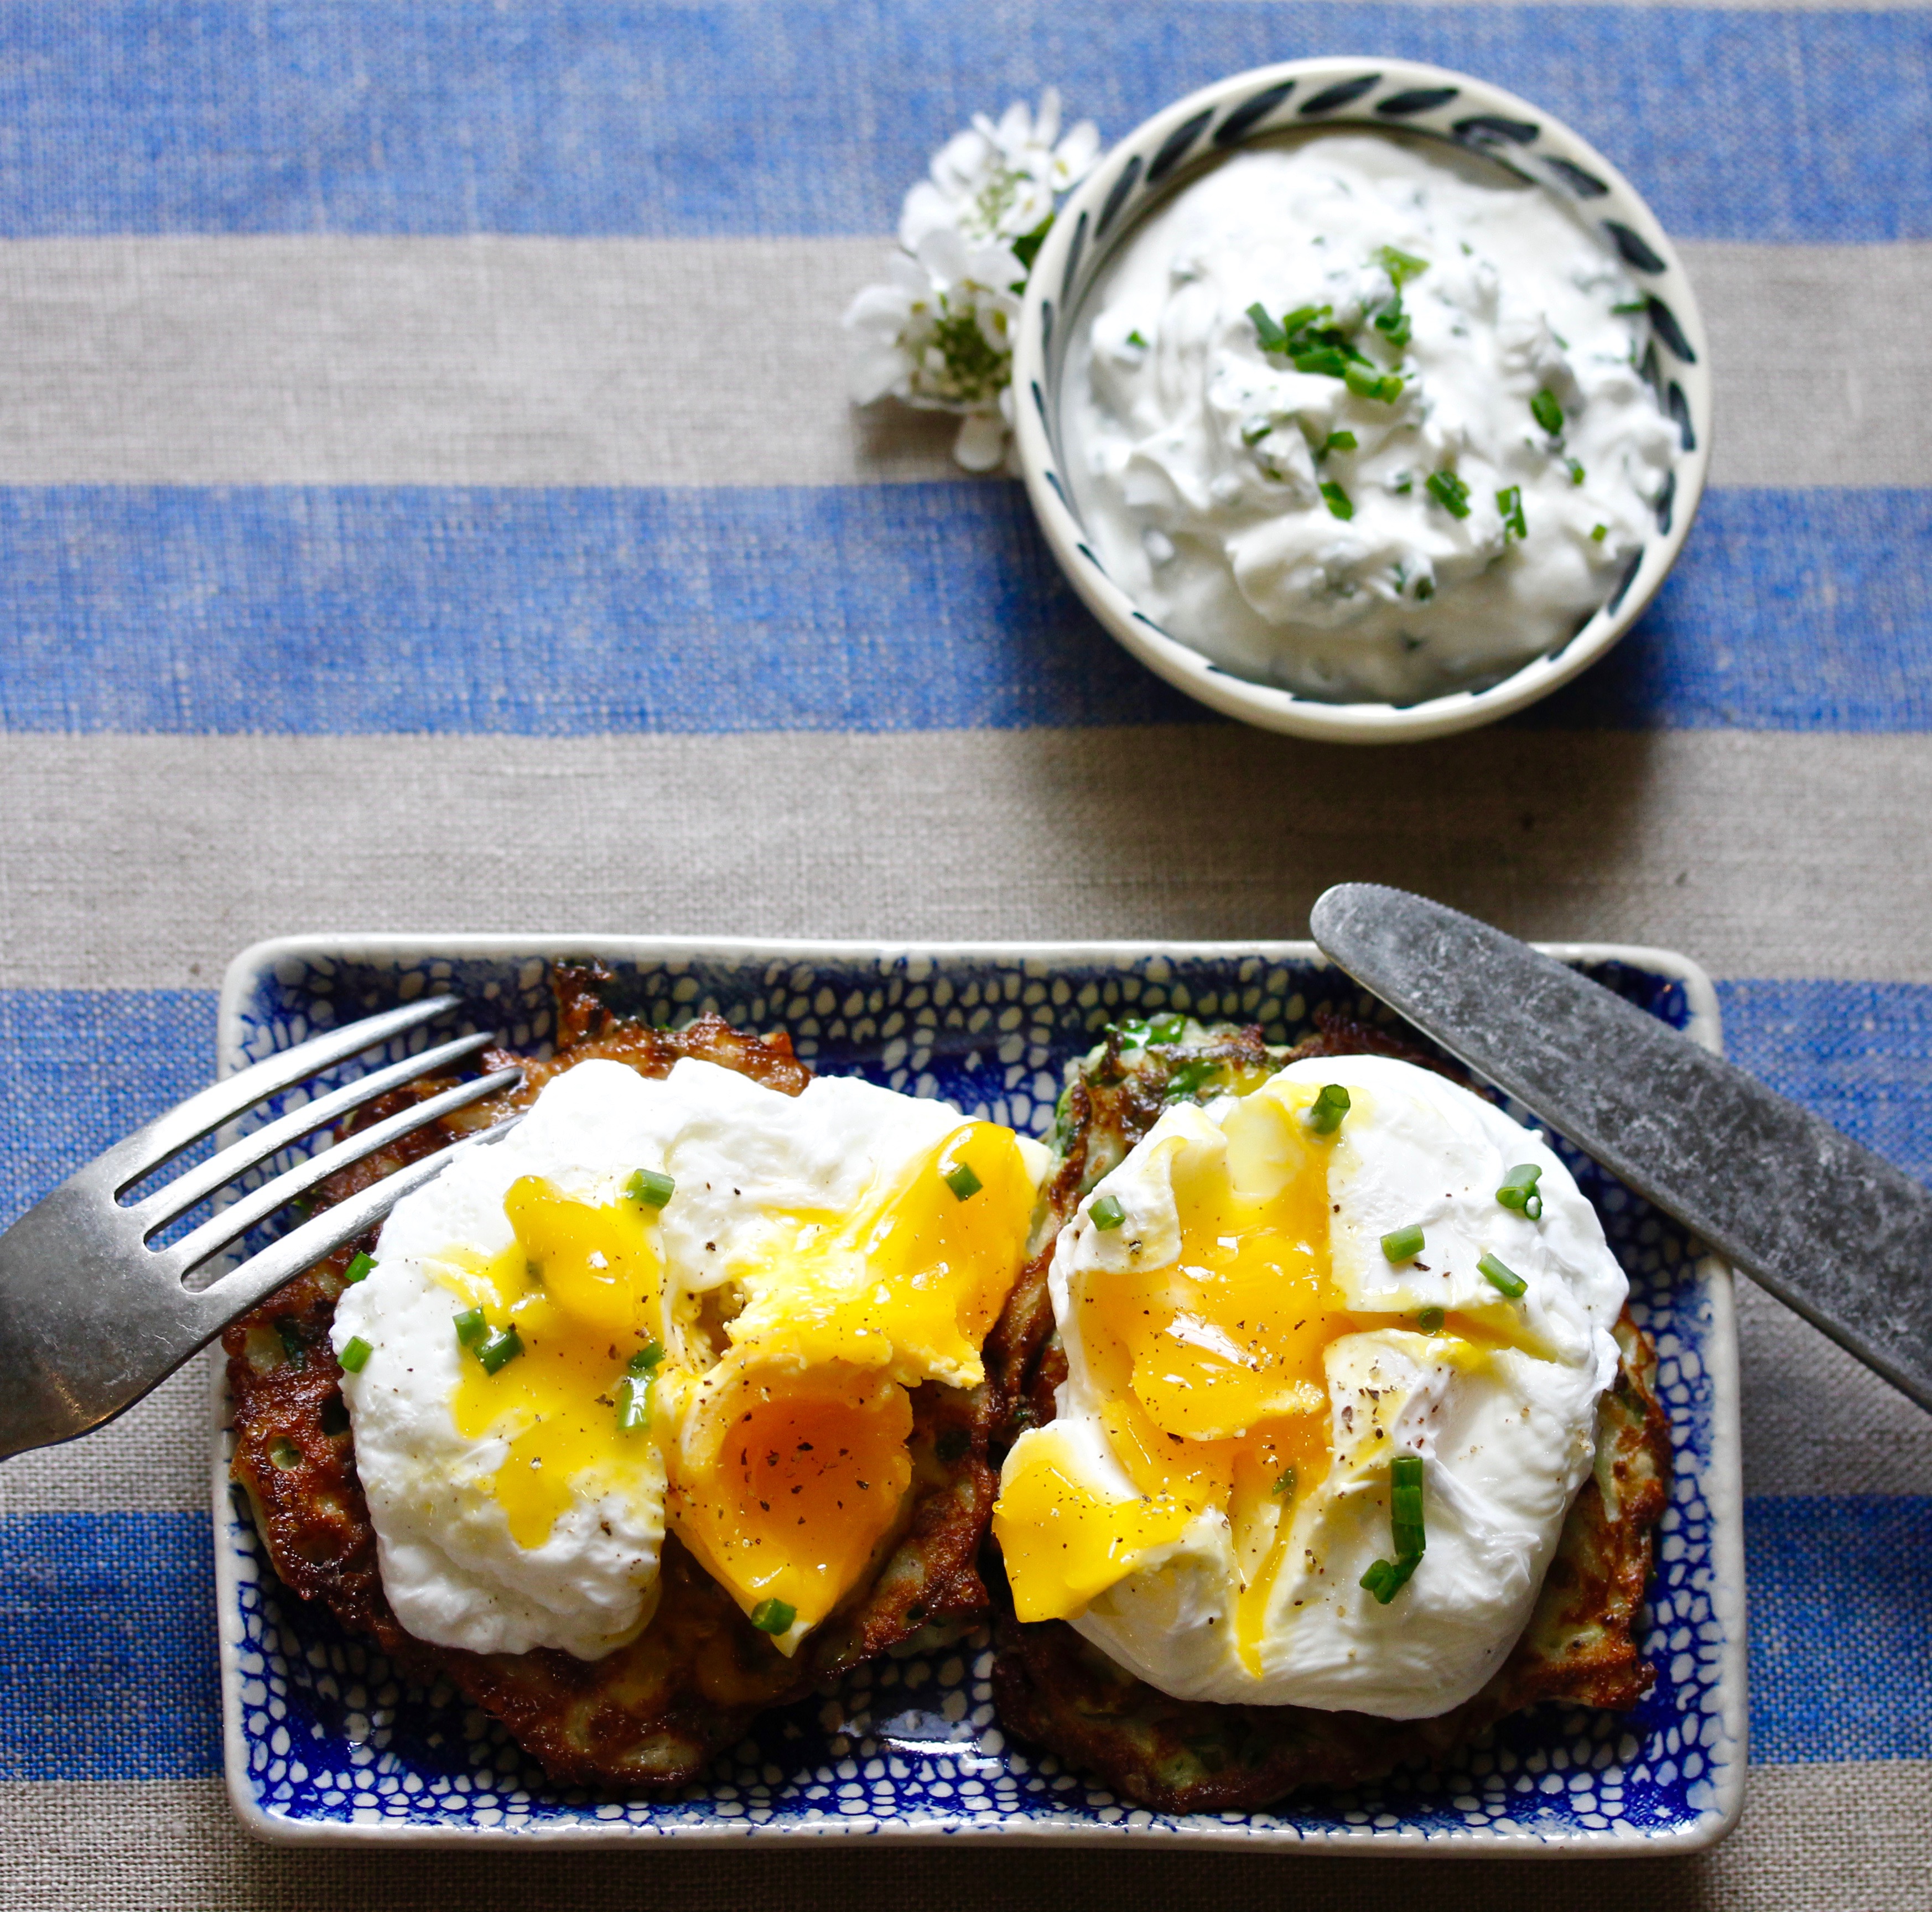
(1840, 1611)
(80, 1068)
(107, 1642)
(876, 608)
(106, 1653)
(107, 1647)
(1859, 1054)
(603, 117)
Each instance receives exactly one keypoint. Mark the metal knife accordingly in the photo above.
(1832, 1229)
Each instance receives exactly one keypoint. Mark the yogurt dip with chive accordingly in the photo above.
(1362, 416)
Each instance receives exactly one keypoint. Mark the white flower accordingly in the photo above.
(1000, 182)
(937, 334)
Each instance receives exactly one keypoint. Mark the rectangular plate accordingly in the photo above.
(325, 1745)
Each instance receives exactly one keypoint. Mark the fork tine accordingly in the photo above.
(144, 1150)
(258, 1277)
(186, 1189)
(214, 1235)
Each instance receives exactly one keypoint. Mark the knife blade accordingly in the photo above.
(1833, 1230)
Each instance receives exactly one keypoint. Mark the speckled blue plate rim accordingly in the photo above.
(883, 1797)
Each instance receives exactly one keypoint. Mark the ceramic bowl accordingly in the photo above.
(1164, 155)
(327, 1742)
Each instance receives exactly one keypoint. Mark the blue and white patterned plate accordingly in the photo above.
(326, 1742)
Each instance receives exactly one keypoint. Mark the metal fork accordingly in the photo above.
(91, 1318)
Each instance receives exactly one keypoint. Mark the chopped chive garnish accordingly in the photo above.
(1107, 1211)
(1599, 533)
(1405, 1505)
(1392, 322)
(1400, 266)
(1633, 305)
(471, 1327)
(1547, 412)
(774, 1616)
(1167, 1029)
(1302, 317)
(500, 1349)
(1403, 485)
(1323, 361)
(653, 1189)
(1425, 590)
(1450, 492)
(1519, 1190)
(645, 1358)
(1286, 1484)
(1273, 338)
(1134, 338)
(354, 1354)
(1502, 1276)
(1430, 1321)
(1338, 441)
(963, 1182)
(1131, 1034)
(1190, 1076)
(1338, 505)
(358, 1269)
(1403, 1244)
(1509, 503)
(634, 1402)
(1387, 1578)
(284, 1453)
(1326, 1110)
(1576, 471)
(1255, 430)
(1367, 383)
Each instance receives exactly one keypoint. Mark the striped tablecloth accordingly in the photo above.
(427, 500)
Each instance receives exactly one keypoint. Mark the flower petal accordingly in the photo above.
(875, 371)
(981, 442)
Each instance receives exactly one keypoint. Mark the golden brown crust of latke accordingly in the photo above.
(653, 1714)
(1055, 1688)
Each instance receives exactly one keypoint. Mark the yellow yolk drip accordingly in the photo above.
(793, 1462)
(580, 1288)
(914, 1281)
(788, 1482)
(1063, 1542)
(1209, 1370)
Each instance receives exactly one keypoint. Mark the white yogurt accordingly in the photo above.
(1283, 520)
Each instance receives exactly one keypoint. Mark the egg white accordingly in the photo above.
(737, 1153)
(1508, 1440)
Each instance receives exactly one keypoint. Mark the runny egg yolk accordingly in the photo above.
(792, 1464)
(912, 1280)
(580, 1288)
(790, 1481)
(1209, 1370)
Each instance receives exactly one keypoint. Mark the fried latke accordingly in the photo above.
(652, 1714)
(1056, 1688)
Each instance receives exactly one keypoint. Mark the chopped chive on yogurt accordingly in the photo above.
(1473, 348)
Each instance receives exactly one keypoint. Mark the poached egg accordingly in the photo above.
(1262, 1310)
(691, 1300)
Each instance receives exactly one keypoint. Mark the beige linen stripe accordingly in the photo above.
(147, 861)
(509, 360)
(1842, 1835)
